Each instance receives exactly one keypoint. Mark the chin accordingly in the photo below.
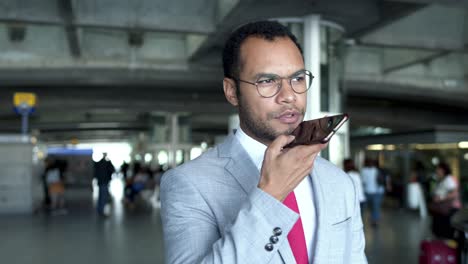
(291, 127)
(287, 131)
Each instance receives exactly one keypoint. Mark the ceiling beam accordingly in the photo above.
(236, 15)
(423, 60)
(385, 113)
(66, 12)
(432, 97)
(188, 76)
(406, 47)
(389, 12)
(42, 22)
(439, 2)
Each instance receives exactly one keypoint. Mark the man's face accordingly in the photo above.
(264, 119)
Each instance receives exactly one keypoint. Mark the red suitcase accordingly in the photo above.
(437, 252)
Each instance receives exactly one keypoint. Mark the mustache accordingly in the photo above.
(278, 113)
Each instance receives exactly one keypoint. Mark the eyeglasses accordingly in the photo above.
(269, 85)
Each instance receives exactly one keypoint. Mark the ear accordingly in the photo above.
(229, 87)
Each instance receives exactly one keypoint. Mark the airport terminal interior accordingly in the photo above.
(142, 83)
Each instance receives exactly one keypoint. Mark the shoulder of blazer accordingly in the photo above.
(329, 172)
(229, 147)
(216, 157)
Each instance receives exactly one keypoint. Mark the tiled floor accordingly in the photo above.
(397, 238)
(134, 236)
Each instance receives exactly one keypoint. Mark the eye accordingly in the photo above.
(266, 81)
(299, 78)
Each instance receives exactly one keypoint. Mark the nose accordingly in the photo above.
(286, 93)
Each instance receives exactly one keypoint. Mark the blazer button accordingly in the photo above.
(269, 247)
(277, 231)
(274, 239)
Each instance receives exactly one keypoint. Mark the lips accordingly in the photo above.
(289, 117)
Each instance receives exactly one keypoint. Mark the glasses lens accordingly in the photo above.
(301, 82)
(268, 87)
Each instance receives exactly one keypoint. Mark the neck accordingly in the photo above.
(250, 134)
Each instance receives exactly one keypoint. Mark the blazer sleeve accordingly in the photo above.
(191, 231)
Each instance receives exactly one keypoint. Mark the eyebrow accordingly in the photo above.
(265, 74)
(297, 72)
(270, 75)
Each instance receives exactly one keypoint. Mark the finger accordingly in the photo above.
(307, 150)
(315, 148)
(277, 145)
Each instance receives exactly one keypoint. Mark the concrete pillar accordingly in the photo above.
(20, 185)
(324, 97)
(171, 132)
(174, 139)
(159, 132)
(311, 49)
(406, 168)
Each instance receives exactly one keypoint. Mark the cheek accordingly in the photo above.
(257, 109)
(302, 100)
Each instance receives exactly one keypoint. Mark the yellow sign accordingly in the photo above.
(28, 99)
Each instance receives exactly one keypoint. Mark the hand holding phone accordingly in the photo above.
(317, 131)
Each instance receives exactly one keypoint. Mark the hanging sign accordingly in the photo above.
(24, 102)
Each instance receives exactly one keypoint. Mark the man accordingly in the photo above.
(238, 202)
(103, 171)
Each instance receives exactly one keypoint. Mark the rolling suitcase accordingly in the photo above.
(437, 252)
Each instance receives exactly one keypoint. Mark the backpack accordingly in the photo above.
(381, 177)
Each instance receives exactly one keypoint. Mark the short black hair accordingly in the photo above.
(268, 30)
(348, 165)
(445, 168)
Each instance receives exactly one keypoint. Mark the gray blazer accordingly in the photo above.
(213, 212)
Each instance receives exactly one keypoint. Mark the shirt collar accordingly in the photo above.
(255, 149)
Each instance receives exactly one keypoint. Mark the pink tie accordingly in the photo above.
(296, 235)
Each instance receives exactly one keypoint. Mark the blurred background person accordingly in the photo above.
(445, 202)
(124, 170)
(48, 166)
(419, 175)
(373, 190)
(350, 168)
(138, 182)
(55, 187)
(103, 171)
(415, 193)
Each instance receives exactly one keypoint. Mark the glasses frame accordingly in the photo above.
(280, 84)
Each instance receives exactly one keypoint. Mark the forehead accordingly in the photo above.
(280, 56)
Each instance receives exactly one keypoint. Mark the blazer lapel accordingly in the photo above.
(240, 165)
(322, 185)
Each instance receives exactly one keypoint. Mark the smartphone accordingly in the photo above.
(317, 131)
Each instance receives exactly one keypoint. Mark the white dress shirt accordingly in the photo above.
(304, 191)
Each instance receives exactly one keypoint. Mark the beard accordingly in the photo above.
(262, 130)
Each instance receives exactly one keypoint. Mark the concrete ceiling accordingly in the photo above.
(101, 69)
